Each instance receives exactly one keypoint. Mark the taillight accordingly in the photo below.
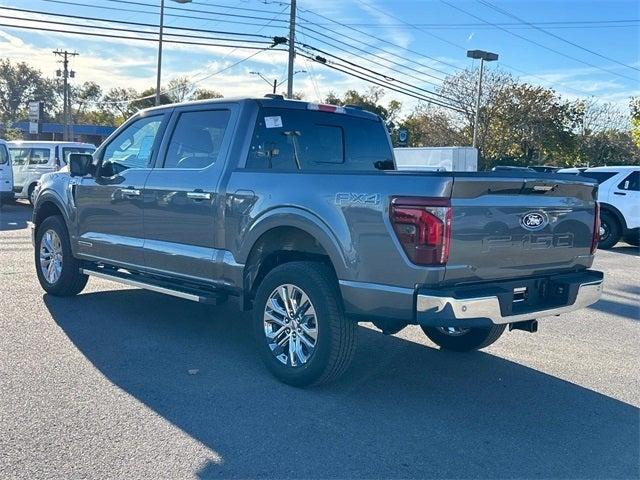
(596, 230)
(423, 228)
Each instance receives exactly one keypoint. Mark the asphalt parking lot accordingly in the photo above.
(125, 383)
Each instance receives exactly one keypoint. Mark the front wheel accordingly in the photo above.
(300, 328)
(58, 271)
(463, 339)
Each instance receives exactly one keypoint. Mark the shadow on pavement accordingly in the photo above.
(14, 216)
(403, 410)
(626, 249)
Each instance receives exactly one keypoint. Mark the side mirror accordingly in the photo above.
(80, 164)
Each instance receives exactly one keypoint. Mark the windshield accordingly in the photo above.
(4, 155)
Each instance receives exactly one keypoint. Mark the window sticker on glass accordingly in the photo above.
(273, 122)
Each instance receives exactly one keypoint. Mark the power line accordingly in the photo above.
(129, 10)
(560, 23)
(375, 55)
(384, 85)
(127, 30)
(192, 82)
(505, 12)
(123, 22)
(368, 5)
(380, 40)
(195, 10)
(383, 75)
(122, 37)
(537, 43)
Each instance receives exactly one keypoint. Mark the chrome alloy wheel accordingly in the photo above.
(290, 325)
(51, 256)
(453, 331)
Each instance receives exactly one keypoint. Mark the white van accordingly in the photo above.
(32, 159)
(6, 174)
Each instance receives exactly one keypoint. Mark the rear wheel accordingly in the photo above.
(633, 238)
(610, 231)
(302, 334)
(463, 339)
(58, 271)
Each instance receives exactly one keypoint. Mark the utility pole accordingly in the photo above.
(292, 52)
(483, 56)
(66, 101)
(159, 70)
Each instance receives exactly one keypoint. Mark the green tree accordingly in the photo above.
(204, 94)
(19, 85)
(179, 89)
(634, 106)
(369, 100)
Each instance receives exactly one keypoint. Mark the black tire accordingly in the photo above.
(633, 238)
(471, 339)
(336, 336)
(71, 281)
(30, 191)
(612, 231)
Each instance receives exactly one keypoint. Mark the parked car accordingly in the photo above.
(32, 159)
(619, 197)
(6, 174)
(290, 208)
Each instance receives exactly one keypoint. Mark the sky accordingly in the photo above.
(425, 40)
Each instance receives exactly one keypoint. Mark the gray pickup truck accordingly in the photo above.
(295, 210)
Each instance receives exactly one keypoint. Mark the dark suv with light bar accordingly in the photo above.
(296, 211)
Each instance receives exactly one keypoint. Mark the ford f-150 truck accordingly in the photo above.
(296, 210)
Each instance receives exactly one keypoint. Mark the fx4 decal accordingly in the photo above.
(355, 199)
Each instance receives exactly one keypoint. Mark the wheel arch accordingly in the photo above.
(47, 205)
(607, 207)
(276, 241)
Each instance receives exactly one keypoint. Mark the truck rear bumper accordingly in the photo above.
(508, 301)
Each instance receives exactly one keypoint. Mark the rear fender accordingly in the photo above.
(305, 221)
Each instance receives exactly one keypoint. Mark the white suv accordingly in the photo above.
(619, 198)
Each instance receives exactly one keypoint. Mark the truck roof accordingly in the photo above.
(277, 101)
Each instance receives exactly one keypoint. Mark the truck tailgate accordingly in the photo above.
(508, 225)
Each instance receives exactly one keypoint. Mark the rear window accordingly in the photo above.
(632, 182)
(599, 176)
(292, 140)
(4, 155)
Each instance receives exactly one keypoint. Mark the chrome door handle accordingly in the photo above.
(199, 195)
(130, 192)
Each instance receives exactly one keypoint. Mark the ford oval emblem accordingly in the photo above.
(534, 221)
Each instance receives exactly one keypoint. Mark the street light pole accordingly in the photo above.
(477, 115)
(489, 57)
(160, 32)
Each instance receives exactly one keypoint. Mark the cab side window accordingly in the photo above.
(132, 148)
(39, 156)
(19, 156)
(197, 139)
(632, 182)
